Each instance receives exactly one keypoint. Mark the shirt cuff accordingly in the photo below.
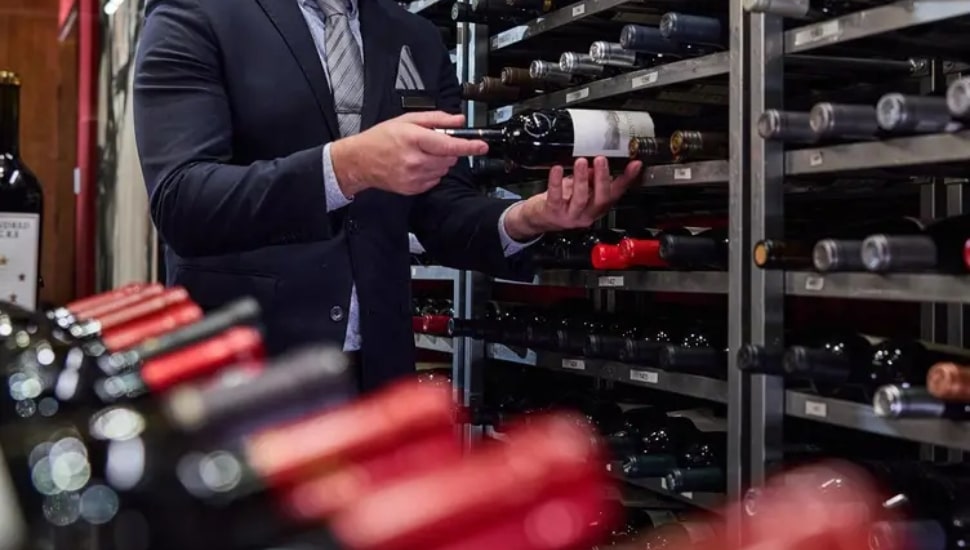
(510, 246)
(335, 197)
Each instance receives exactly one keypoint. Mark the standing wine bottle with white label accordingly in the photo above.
(21, 206)
(546, 138)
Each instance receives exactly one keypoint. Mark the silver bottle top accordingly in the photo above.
(891, 111)
(612, 53)
(822, 117)
(826, 255)
(784, 8)
(876, 253)
(958, 97)
(579, 63)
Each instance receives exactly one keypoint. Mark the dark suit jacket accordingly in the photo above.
(232, 110)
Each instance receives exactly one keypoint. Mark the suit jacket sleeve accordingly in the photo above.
(454, 221)
(200, 202)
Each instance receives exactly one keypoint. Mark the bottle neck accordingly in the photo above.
(489, 135)
(9, 120)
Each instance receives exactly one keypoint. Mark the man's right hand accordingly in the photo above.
(403, 155)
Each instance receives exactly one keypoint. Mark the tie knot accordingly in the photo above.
(334, 7)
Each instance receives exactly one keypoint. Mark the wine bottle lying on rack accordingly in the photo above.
(584, 65)
(694, 29)
(650, 40)
(546, 138)
(549, 72)
(939, 246)
(609, 54)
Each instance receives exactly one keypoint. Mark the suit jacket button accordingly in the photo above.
(336, 314)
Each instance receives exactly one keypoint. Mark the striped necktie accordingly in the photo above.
(345, 65)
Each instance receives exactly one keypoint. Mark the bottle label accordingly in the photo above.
(19, 255)
(608, 133)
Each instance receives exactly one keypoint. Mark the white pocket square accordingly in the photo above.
(408, 77)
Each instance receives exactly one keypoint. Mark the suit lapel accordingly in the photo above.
(289, 21)
(382, 52)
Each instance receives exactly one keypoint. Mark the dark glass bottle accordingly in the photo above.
(941, 246)
(643, 347)
(708, 250)
(698, 350)
(21, 206)
(843, 252)
(612, 54)
(658, 447)
(830, 359)
(691, 145)
(546, 138)
(641, 38)
(787, 254)
(694, 29)
(652, 150)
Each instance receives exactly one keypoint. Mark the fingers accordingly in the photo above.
(434, 119)
(602, 182)
(554, 193)
(438, 144)
(580, 191)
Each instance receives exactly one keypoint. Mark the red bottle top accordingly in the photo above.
(641, 252)
(130, 334)
(143, 308)
(78, 306)
(608, 256)
(202, 359)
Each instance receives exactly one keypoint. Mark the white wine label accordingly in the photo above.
(574, 364)
(577, 95)
(579, 9)
(19, 254)
(829, 30)
(607, 133)
(610, 281)
(816, 408)
(645, 376)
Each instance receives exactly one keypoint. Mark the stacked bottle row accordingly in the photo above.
(901, 377)
(880, 246)
(134, 418)
(894, 114)
(676, 341)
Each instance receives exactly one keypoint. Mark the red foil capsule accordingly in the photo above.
(130, 334)
(203, 359)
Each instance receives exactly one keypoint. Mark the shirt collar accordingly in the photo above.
(351, 6)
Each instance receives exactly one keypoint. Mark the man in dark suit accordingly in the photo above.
(280, 163)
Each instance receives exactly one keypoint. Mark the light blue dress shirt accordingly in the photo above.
(335, 198)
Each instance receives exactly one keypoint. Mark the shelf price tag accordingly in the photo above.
(414, 272)
(502, 114)
(577, 95)
(509, 36)
(610, 281)
(816, 409)
(645, 376)
(574, 364)
(816, 158)
(579, 9)
(681, 174)
(644, 80)
(828, 31)
(814, 283)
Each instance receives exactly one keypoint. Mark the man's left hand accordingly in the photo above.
(570, 202)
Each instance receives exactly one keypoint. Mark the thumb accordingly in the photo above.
(434, 119)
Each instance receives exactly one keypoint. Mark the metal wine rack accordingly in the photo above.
(754, 175)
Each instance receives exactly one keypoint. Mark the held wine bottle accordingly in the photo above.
(546, 138)
(21, 206)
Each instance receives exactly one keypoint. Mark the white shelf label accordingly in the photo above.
(816, 409)
(814, 283)
(579, 9)
(502, 114)
(19, 254)
(645, 376)
(509, 36)
(414, 271)
(610, 281)
(577, 95)
(574, 364)
(644, 80)
(683, 174)
(818, 33)
(816, 158)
